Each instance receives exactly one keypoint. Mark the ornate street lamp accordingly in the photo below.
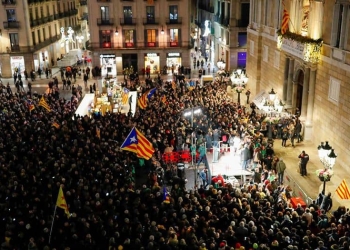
(327, 158)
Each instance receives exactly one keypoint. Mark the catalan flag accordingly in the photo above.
(136, 142)
(44, 104)
(173, 85)
(285, 21)
(56, 125)
(343, 191)
(30, 105)
(142, 101)
(166, 198)
(125, 96)
(62, 203)
(150, 1)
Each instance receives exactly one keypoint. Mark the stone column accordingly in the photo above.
(310, 106)
(304, 100)
(294, 96)
(285, 79)
(290, 83)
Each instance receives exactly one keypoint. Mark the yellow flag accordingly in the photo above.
(62, 203)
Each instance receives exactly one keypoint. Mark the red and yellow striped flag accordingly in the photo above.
(164, 99)
(343, 191)
(56, 125)
(62, 203)
(44, 104)
(285, 21)
(125, 96)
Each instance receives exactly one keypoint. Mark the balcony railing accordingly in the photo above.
(128, 21)
(46, 42)
(206, 8)
(15, 48)
(51, 18)
(8, 2)
(102, 21)
(82, 3)
(71, 12)
(174, 44)
(11, 25)
(151, 44)
(147, 21)
(174, 21)
(103, 0)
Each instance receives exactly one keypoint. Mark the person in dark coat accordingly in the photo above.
(304, 158)
(327, 202)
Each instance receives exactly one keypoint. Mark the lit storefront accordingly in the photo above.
(173, 59)
(108, 64)
(152, 62)
(17, 64)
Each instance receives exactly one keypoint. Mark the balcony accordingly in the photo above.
(207, 8)
(15, 48)
(46, 42)
(150, 21)
(103, 21)
(174, 44)
(71, 12)
(128, 21)
(8, 2)
(82, 3)
(51, 18)
(127, 0)
(11, 25)
(174, 21)
(104, 1)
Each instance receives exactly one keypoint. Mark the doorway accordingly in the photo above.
(300, 86)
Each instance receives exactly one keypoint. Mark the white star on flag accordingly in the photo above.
(133, 139)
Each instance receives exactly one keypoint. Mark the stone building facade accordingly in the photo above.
(308, 66)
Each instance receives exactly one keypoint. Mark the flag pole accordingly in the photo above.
(53, 220)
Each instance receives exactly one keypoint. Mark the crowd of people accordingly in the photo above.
(42, 151)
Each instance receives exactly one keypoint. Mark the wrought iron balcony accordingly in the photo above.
(103, 21)
(15, 48)
(151, 44)
(11, 25)
(150, 21)
(8, 2)
(128, 21)
(82, 3)
(174, 21)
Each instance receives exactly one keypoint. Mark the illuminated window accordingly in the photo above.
(105, 38)
(104, 12)
(174, 37)
(129, 36)
(173, 14)
(151, 36)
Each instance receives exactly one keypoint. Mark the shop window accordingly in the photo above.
(174, 37)
(129, 36)
(150, 14)
(173, 14)
(11, 15)
(105, 39)
(151, 38)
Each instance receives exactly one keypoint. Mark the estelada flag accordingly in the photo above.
(62, 203)
(164, 99)
(56, 125)
(136, 142)
(44, 104)
(166, 198)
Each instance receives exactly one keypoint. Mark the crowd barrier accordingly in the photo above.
(297, 191)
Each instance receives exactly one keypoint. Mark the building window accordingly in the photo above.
(11, 15)
(251, 49)
(340, 22)
(173, 14)
(129, 36)
(174, 37)
(105, 39)
(334, 90)
(150, 14)
(14, 41)
(242, 39)
(277, 59)
(151, 38)
(33, 38)
(127, 15)
(266, 53)
(41, 11)
(104, 12)
(39, 36)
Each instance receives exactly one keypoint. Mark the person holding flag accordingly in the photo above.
(137, 143)
(142, 101)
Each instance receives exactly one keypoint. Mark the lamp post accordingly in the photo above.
(239, 79)
(272, 96)
(327, 158)
(191, 112)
